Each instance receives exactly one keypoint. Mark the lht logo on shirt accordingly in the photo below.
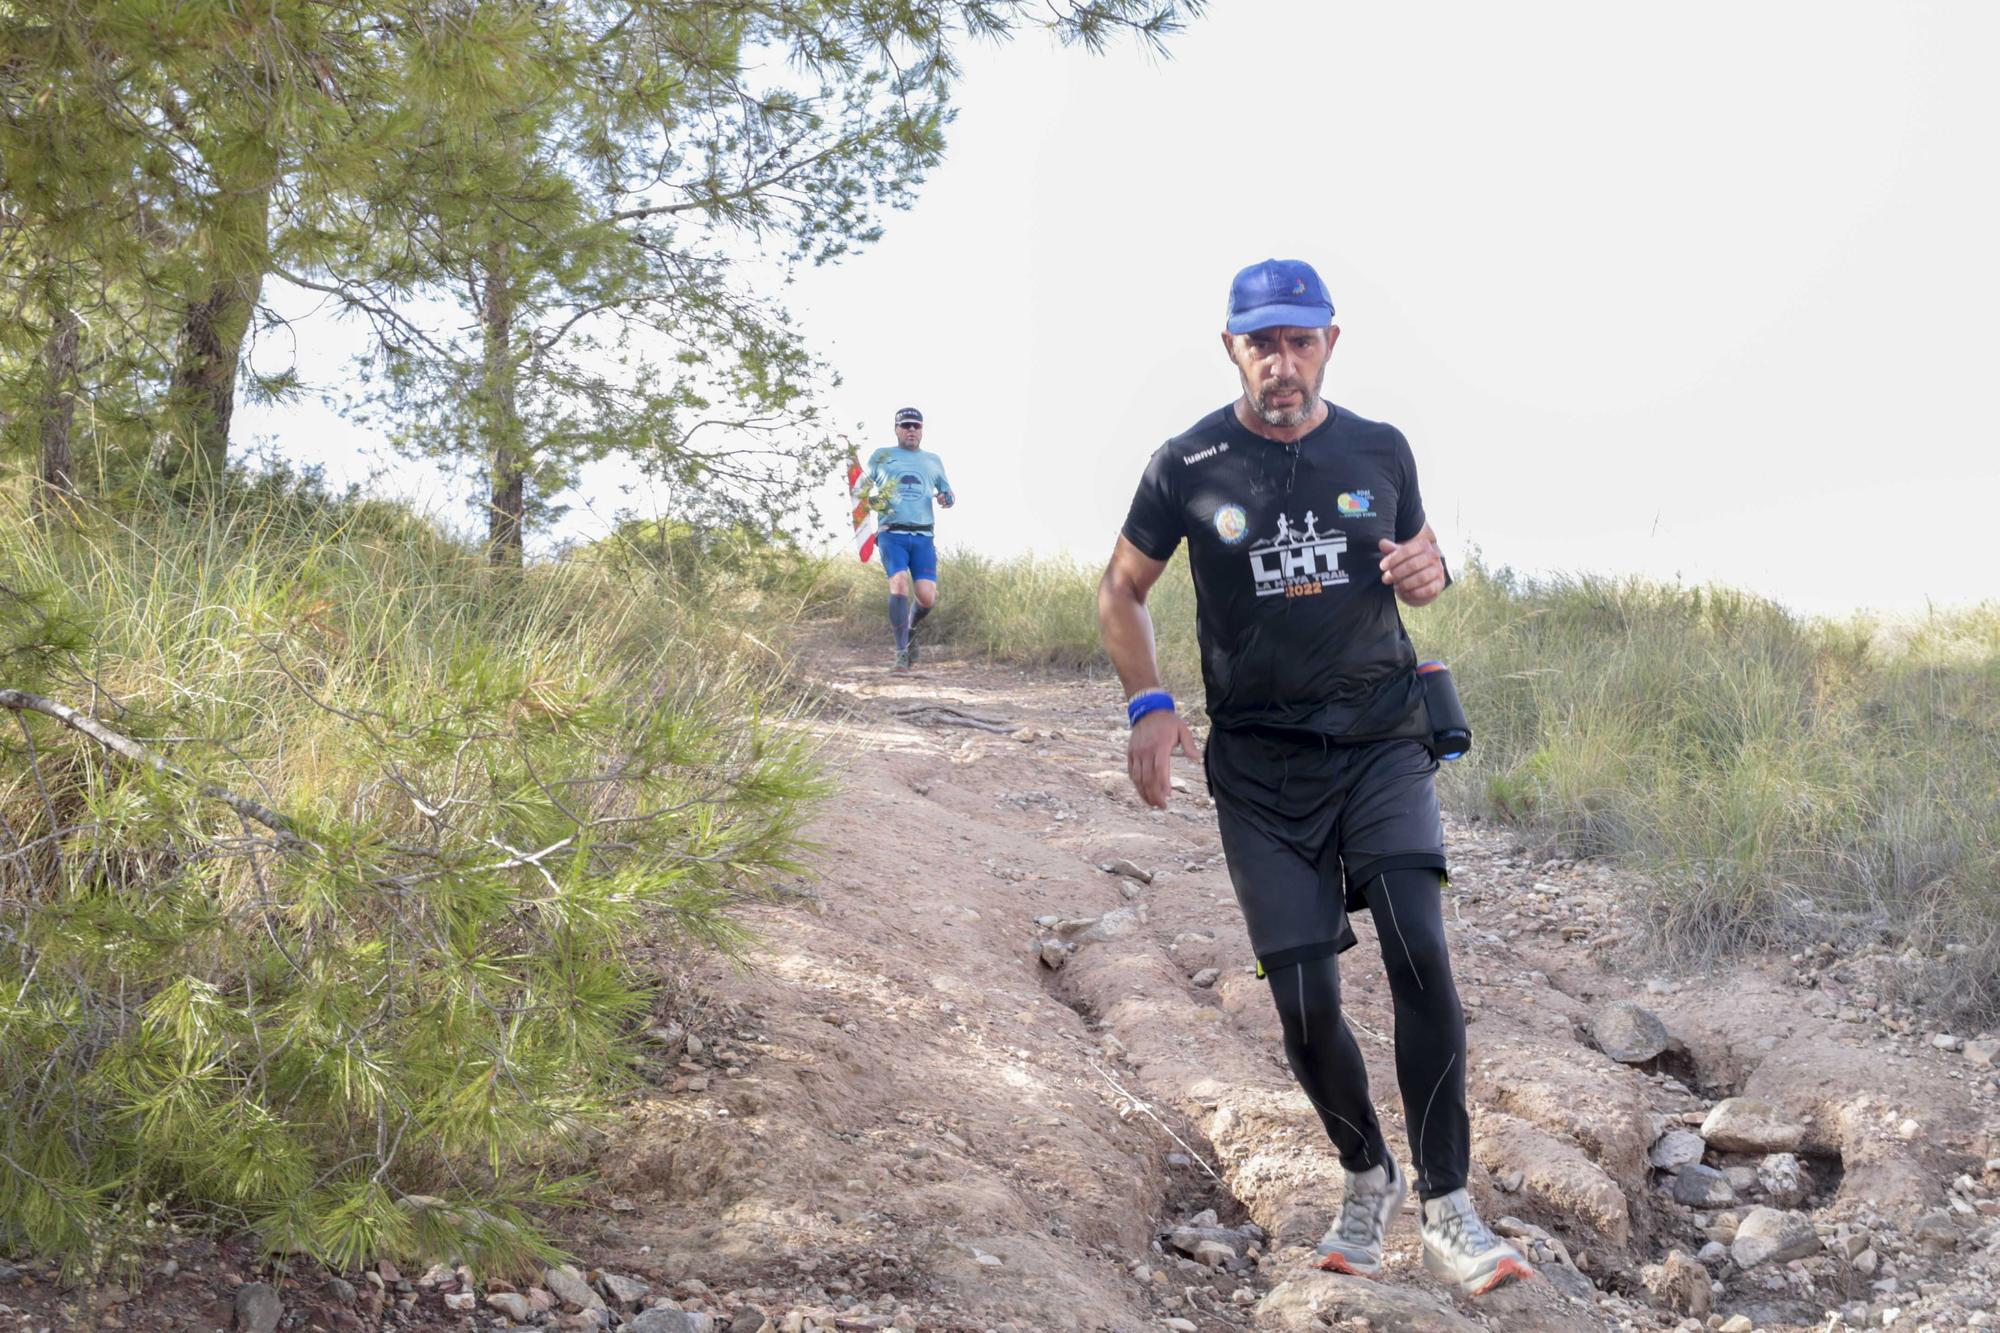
(1298, 561)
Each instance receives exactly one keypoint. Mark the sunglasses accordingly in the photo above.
(909, 425)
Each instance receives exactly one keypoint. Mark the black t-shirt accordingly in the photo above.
(1297, 629)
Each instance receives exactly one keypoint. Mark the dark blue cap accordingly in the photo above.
(909, 414)
(1278, 293)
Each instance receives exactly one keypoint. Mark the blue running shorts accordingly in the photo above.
(914, 551)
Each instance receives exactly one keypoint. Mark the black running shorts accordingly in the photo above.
(1306, 823)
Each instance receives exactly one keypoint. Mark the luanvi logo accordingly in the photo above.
(1298, 562)
(1204, 455)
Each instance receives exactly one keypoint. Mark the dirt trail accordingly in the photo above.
(902, 1116)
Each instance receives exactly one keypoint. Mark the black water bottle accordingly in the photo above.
(1451, 734)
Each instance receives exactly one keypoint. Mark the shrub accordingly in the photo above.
(356, 966)
(1781, 780)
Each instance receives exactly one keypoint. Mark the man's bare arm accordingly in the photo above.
(1127, 630)
(1122, 618)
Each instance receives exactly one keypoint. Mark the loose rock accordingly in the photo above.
(1769, 1235)
(258, 1308)
(624, 1292)
(1188, 1240)
(1566, 1279)
(1750, 1124)
(1215, 1254)
(512, 1304)
(568, 1286)
(1782, 1179)
(1937, 1232)
(1206, 977)
(1628, 1033)
(662, 1319)
(1700, 1186)
(1675, 1149)
(1115, 924)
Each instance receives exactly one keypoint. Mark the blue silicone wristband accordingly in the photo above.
(1147, 701)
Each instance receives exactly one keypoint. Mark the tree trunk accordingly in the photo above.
(236, 245)
(55, 412)
(506, 464)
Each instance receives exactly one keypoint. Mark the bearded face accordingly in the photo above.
(1282, 370)
(1285, 402)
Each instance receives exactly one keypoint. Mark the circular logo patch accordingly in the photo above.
(1231, 523)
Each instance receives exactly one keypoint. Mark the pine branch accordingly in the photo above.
(21, 701)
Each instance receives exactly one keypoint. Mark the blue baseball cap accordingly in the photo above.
(1278, 293)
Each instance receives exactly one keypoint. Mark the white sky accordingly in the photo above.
(1708, 291)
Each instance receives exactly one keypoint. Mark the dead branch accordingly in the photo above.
(20, 701)
(937, 715)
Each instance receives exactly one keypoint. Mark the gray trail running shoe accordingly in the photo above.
(913, 648)
(902, 666)
(1354, 1243)
(1460, 1250)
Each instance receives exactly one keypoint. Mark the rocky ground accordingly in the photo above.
(1001, 1063)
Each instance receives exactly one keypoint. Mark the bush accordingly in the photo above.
(373, 1002)
(1782, 780)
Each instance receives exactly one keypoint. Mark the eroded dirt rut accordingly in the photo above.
(902, 1116)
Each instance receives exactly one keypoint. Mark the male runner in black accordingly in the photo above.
(1304, 525)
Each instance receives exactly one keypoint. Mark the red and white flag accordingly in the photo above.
(864, 516)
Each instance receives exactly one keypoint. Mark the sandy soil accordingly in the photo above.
(923, 1117)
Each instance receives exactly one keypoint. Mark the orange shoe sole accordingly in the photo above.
(1333, 1263)
(1508, 1270)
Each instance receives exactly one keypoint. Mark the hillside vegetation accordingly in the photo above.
(357, 950)
(361, 965)
(1783, 781)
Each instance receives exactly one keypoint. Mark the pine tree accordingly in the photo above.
(76, 202)
(146, 147)
(592, 225)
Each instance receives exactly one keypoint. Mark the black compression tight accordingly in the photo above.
(1430, 1038)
